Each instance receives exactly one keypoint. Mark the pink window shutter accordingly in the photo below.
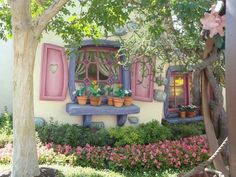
(54, 73)
(142, 87)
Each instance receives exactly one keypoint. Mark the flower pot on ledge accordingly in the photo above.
(110, 101)
(82, 100)
(128, 101)
(95, 101)
(191, 114)
(182, 114)
(118, 102)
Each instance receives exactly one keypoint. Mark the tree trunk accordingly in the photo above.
(212, 140)
(25, 161)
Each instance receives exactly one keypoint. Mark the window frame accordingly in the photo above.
(169, 112)
(186, 89)
(97, 49)
(125, 71)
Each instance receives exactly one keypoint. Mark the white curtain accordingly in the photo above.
(80, 67)
(103, 58)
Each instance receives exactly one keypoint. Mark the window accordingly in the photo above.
(180, 90)
(97, 63)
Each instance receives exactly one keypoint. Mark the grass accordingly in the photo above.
(69, 171)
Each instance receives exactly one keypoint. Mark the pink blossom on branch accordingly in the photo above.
(214, 23)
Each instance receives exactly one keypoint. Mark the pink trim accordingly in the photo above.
(54, 73)
(186, 89)
(143, 91)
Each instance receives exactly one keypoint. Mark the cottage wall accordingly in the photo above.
(57, 109)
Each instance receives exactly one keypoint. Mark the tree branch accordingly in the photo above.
(47, 15)
(206, 62)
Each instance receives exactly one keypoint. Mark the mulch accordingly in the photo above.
(44, 172)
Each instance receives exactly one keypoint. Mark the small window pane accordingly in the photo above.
(179, 80)
(92, 71)
(80, 71)
(92, 56)
(104, 71)
(81, 56)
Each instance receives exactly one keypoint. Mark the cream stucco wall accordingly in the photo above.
(6, 63)
(57, 109)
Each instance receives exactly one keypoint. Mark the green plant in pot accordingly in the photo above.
(182, 111)
(128, 97)
(191, 110)
(96, 92)
(109, 89)
(80, 94)
(119, 95)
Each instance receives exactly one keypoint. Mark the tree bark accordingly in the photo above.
(25, 160)
(212, 140)
(25, 40)
(210, 55)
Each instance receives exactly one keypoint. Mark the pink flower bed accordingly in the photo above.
(185, 152)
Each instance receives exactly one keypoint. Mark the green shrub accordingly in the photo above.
(153, 131)
(5, 128)
(6, 123)
(126, 135)
(150, 132)
(185, 130)
(73, 135)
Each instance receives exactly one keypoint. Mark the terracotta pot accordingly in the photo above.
(191, 114)
(182, 114)
(95, 101)
(128, 101)
(118, 102)
(82, 100)
(110, 101)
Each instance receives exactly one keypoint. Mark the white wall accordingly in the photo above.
(6, 65)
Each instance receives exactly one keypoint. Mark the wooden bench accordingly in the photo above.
(87, 111)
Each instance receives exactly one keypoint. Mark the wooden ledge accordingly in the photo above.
(179, 120)
(87, 111)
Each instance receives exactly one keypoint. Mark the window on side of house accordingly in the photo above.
(97, 63)
(180, 90)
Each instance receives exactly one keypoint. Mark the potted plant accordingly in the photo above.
(110, 95)
(80, 94)
(128, 97)
(96, 92)
(118, 98)
(191, 110)
(182, 111)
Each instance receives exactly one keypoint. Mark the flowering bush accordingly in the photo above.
(128, 93)
(191, 108)
(119, 91)
(187, 152)
(80, 91)
(182, 108)
(109, 89)
(96, 89)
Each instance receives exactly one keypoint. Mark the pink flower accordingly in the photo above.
(214, 23)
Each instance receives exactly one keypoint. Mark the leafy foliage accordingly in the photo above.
(185, 130)
(73, 135)
(5, 128)
(150, 132)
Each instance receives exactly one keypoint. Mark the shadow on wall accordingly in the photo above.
(6, 68)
